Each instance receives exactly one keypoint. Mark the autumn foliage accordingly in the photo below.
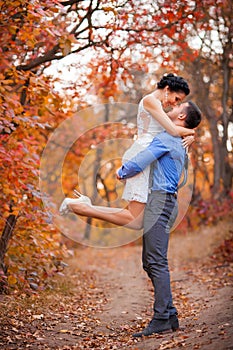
(119, 50)
(29, 110)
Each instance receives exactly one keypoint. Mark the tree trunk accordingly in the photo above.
(4, 240)
(227, 171)
(218, 73)
(216, 149)
(96, 165)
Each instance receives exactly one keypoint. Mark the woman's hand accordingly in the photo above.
(188, 141)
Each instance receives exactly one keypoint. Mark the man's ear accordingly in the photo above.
(182, 116)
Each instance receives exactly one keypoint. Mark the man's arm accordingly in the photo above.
(138, 163)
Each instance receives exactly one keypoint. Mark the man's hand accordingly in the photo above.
(117, 175)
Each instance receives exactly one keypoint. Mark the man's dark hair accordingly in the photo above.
(193, 115)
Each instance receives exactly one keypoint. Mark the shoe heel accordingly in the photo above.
(174, 323)
(77, 194)
(175, 326)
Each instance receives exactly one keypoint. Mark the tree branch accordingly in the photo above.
(49, 56)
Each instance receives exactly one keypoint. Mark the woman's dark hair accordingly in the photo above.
(193, 115)
(174, 83)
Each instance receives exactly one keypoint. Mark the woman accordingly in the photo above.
(151, 119)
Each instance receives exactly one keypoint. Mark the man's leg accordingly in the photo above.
(160, 214)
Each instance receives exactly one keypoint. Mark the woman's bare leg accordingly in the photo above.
(132, 217)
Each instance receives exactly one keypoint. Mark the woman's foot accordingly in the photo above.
(82, 198)
(64, 208)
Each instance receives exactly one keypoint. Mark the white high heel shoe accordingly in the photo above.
(82, 198)
(64, 209)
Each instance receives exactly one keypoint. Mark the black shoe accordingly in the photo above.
(159, 326)
(174, 322)
(155, 326)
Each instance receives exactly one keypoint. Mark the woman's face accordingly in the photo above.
(172, 98)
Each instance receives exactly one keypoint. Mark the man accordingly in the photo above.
(168, 156)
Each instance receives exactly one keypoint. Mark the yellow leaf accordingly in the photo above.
(12, 29)
(12, 280)
(64, 331)
(54, 9)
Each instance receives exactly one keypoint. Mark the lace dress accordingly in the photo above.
(136, 188)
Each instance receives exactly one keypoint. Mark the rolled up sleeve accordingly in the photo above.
(138, 163)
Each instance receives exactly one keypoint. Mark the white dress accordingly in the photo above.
(137, 187)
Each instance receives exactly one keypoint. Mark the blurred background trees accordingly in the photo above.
(59, 57)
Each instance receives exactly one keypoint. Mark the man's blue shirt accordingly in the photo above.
(168, 155)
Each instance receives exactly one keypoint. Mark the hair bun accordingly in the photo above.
(174, 82)
(169, 75)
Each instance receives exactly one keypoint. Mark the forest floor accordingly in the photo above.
(105, 297)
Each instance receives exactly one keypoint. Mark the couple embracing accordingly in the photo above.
(152, 168)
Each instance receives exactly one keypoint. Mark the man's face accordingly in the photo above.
(177, 110)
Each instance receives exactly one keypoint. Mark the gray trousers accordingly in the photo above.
(160, 214)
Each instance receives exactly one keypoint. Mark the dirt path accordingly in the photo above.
(110, 298)
(202, 291)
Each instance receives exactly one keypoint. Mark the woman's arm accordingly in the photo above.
(153, 106)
